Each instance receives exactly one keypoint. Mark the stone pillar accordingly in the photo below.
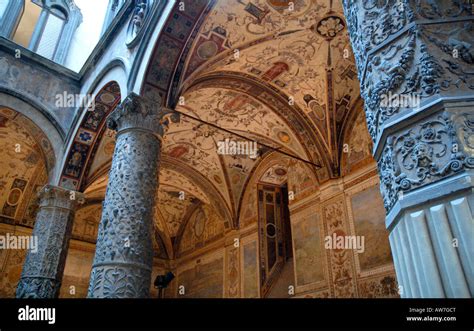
(415, 62)
(124, 253)
(43, 270)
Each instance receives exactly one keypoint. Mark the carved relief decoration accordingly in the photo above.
(422, 154)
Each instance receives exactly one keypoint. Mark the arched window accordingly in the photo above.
(52, 28)
(55, 28)
(44, 26)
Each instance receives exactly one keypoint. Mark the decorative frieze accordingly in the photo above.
(424, 153)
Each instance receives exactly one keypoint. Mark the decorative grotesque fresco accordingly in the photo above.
(357, 150)
(173, 207)
(299, 57)
(23, 171)
(284, 78)
(11, 262)
(238, 72)
(84, 147)
(86, 223)
(300, 178)
(203, 227)
(197, 144)
(258, 137)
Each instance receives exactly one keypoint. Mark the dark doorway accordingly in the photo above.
(274, 231)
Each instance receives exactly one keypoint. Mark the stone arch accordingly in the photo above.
(112, 71)
(277, 101)
(214, 195)
(26, 164)
(41, 123)
(249, 197)
(87, 136)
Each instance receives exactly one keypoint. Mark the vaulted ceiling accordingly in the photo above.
(27, 157)
(278, 72)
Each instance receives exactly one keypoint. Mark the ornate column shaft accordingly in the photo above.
(415, 61)
(43, 269)
(124, 252)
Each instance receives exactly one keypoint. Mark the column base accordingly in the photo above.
(119, 282)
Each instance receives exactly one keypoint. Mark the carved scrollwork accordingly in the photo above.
(117, 283)
(400, 50)
(422, 154)
(432, 9)
(372, 22)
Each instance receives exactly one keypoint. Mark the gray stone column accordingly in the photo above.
(43, 270)
(415, 61)
(124, 253)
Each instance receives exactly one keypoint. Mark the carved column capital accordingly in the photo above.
(54, 196)
(139, 113)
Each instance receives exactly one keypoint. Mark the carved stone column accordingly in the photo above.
(124, 253)
(415, 61)
(43, 270)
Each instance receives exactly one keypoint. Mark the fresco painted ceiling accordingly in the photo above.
(278, 72)
(179, 193)
(196, 144)
(302, 51)
(24, 170)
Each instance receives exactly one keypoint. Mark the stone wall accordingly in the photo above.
(16, 72)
